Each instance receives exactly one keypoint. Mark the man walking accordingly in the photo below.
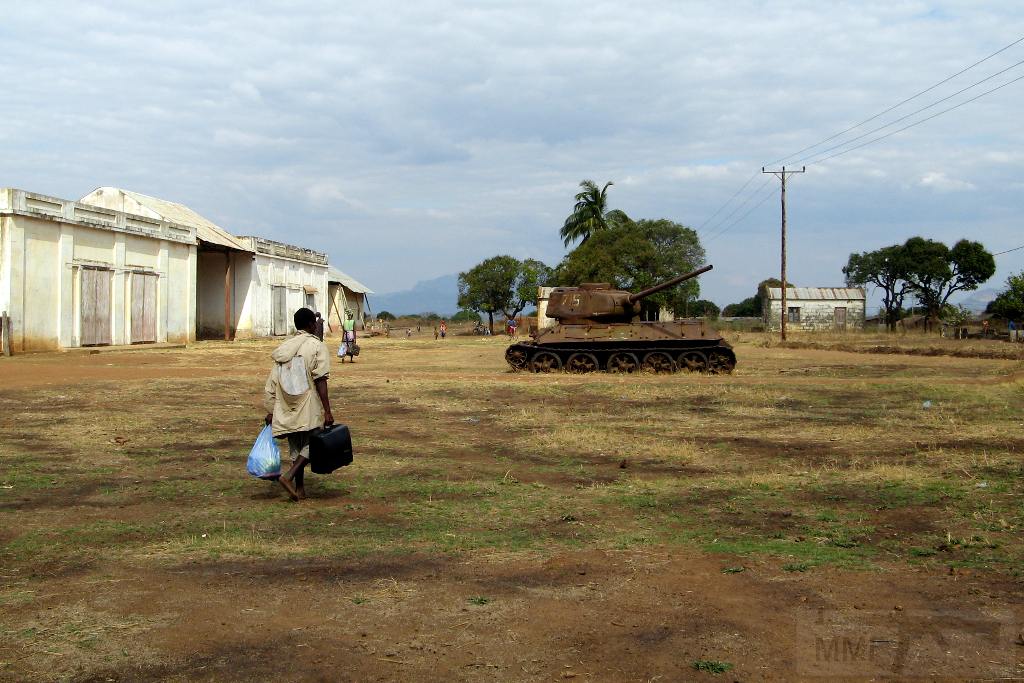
(296, 396)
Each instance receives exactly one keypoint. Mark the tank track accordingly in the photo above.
(656, 357)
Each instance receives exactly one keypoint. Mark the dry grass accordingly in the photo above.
(808, 456)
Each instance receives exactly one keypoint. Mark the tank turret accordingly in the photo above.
(599, 328)
(600, 303)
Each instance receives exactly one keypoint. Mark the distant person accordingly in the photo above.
(435, 333)
(443, 329)
(1012, 327)
(512, 327)
(319, 326)
(296, 396)
(348, 340)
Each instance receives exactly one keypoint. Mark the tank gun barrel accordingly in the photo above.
(633, 298)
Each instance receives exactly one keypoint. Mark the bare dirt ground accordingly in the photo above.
(817, 515)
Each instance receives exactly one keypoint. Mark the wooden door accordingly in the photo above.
(95, 307)
(279, 304)
(840, 318)
(143, 308)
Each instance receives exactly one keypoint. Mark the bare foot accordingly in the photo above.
(300, 491)
(289, 487)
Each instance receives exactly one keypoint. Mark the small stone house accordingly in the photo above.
(815, 308)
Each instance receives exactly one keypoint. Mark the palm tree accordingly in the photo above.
(589, 213)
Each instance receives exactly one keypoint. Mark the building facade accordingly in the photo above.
(815, 308)
(346, 295)
(72, 274)
(118, 267)
(279, 279)
(245, 286)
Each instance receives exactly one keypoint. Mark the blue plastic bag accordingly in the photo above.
(265, 457)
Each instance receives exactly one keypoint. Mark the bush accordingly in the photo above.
(386, 315)
(465, 316)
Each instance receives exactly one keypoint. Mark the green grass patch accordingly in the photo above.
(711, 666)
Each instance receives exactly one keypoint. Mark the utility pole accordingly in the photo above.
(781, 175)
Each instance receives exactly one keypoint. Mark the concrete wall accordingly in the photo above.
(267, 272)
(341, 299)
(45, 244)
(816, 315)
(210, 278)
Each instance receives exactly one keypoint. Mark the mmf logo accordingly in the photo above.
(932, 644)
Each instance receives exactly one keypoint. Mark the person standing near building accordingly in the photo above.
(319, 326)
(295, 396)
(348, 339)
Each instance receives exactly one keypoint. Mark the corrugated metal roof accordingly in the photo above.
(206, 230)
(335, 275)
(818, 293)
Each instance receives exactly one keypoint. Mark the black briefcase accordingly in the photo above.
(329, 449)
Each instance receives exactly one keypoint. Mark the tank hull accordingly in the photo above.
(663, 347)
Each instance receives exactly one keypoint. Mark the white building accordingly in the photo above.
(252, 283)
(72, 274)
(348, 295)
(815, 308)
(279, 280)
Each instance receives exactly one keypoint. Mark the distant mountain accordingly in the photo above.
(975, 301)
(439, 295)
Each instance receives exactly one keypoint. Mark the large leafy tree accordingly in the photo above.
(887, 269)
(1010, 304)
(501, 284)
(634, 255)
(590, 213)
(935, 272)
(705, 308)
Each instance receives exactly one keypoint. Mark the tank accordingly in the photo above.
(599, 329)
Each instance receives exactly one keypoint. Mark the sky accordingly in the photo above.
(410, 141)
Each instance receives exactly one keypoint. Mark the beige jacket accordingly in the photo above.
(290, 393)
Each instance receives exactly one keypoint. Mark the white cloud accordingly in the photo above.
(939, 181)
(246, 90)
(479, 120)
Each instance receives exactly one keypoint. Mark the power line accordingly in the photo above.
(712, 216)
(1000, 253)
(714, 229)
(768, 196)
(916, 123)
(916, 111)
(739, 207)
(898, 104)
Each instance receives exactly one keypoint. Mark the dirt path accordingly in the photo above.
(587, 615)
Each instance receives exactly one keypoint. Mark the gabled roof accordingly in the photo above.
(153, 207)
(335, 275)
(818, 293)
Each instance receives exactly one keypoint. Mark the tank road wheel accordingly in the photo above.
(720, 363)
(658, 362)
(623, 362)
(516, 358)
(694, 361)
(580, 363)
(545, 361)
